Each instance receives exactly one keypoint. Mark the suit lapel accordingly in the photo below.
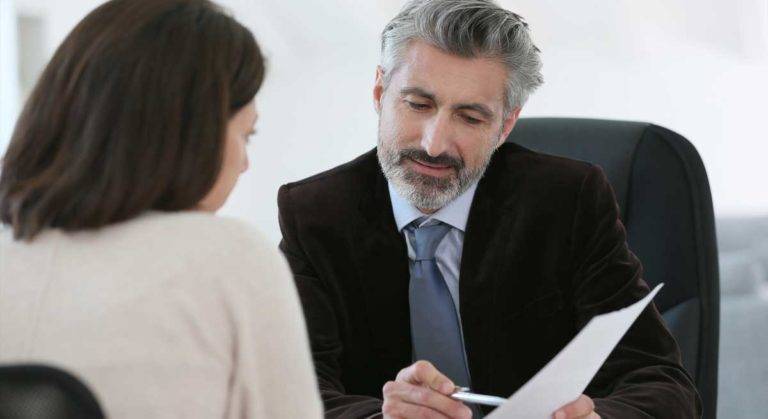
(485, 256)
(382, 259)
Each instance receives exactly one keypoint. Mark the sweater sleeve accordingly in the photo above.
(273, 376)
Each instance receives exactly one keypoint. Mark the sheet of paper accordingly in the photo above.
(566, 376)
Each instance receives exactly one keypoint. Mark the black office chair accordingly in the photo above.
(666, 206)
(44, 392)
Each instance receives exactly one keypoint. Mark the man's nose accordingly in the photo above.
(437, 136)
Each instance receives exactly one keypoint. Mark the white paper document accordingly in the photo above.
(566, 376)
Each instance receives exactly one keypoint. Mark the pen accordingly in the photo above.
(463, 394)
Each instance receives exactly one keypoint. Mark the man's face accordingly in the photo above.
(440, 119)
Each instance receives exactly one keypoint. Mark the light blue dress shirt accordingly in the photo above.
(448, 252)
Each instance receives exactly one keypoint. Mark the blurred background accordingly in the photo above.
(698, 67)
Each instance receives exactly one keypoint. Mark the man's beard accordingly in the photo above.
(423, 191)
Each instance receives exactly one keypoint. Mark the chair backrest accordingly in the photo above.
(666, 207)
(44, 392)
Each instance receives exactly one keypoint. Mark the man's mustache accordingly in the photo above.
(441, 160)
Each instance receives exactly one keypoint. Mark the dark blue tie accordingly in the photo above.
(435, 328)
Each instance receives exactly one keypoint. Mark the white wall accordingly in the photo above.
(9, 81)
(699, 67)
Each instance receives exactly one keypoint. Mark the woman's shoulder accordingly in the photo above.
(153, 229)
(223, 252)
(171, 244)
(178, 226)
(225, 256)
(193, 232)
(192, 224)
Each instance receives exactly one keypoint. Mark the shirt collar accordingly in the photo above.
(455, 213)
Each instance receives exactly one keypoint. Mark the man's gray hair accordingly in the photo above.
(471, 29)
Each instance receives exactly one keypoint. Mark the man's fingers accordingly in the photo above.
(395, 409)
(422, 385)
(403, 392)
(581, 407)
(424, 373)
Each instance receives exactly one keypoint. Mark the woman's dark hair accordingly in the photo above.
(129, 115)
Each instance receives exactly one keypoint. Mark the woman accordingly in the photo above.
(112, 265)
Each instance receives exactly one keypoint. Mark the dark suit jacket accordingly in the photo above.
(544, 251)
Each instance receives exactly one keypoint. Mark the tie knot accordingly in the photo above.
(426, 238)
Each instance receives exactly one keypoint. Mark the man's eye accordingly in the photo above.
(417, 106)
(472, 121)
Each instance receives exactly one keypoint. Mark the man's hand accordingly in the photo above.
(581, 408)
(421, 391)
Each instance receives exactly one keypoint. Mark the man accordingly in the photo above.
(472, 260)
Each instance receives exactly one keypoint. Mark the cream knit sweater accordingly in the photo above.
(169, 315)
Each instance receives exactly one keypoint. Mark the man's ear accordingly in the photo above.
(507, 125)
(378, 89)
